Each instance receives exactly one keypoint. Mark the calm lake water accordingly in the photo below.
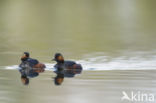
(123, 29)
(99, 34)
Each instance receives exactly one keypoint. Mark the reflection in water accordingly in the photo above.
(25, 80)
(65, 68)
(117, 28)
(66, 72)
(29, 68)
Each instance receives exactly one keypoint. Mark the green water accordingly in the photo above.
(113, 33)
(75, 28)
(89, 87)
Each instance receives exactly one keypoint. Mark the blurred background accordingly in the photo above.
(99, 34)
(76, 28)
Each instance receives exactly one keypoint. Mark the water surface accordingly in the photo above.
(102, 35)
(77, 29)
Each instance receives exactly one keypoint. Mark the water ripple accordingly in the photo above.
(102, 63)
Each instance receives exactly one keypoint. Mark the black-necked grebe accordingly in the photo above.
(30, 67)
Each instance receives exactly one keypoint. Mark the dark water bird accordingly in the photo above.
(65, 68)
(29, 68)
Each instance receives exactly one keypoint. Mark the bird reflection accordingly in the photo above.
(29, 68)
(65, 69)
(65, 73)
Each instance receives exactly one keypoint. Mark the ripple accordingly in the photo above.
(104, 63)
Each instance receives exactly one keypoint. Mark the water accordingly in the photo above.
(100, 34)
(89, 87)
(77, 29)
(100, 61)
